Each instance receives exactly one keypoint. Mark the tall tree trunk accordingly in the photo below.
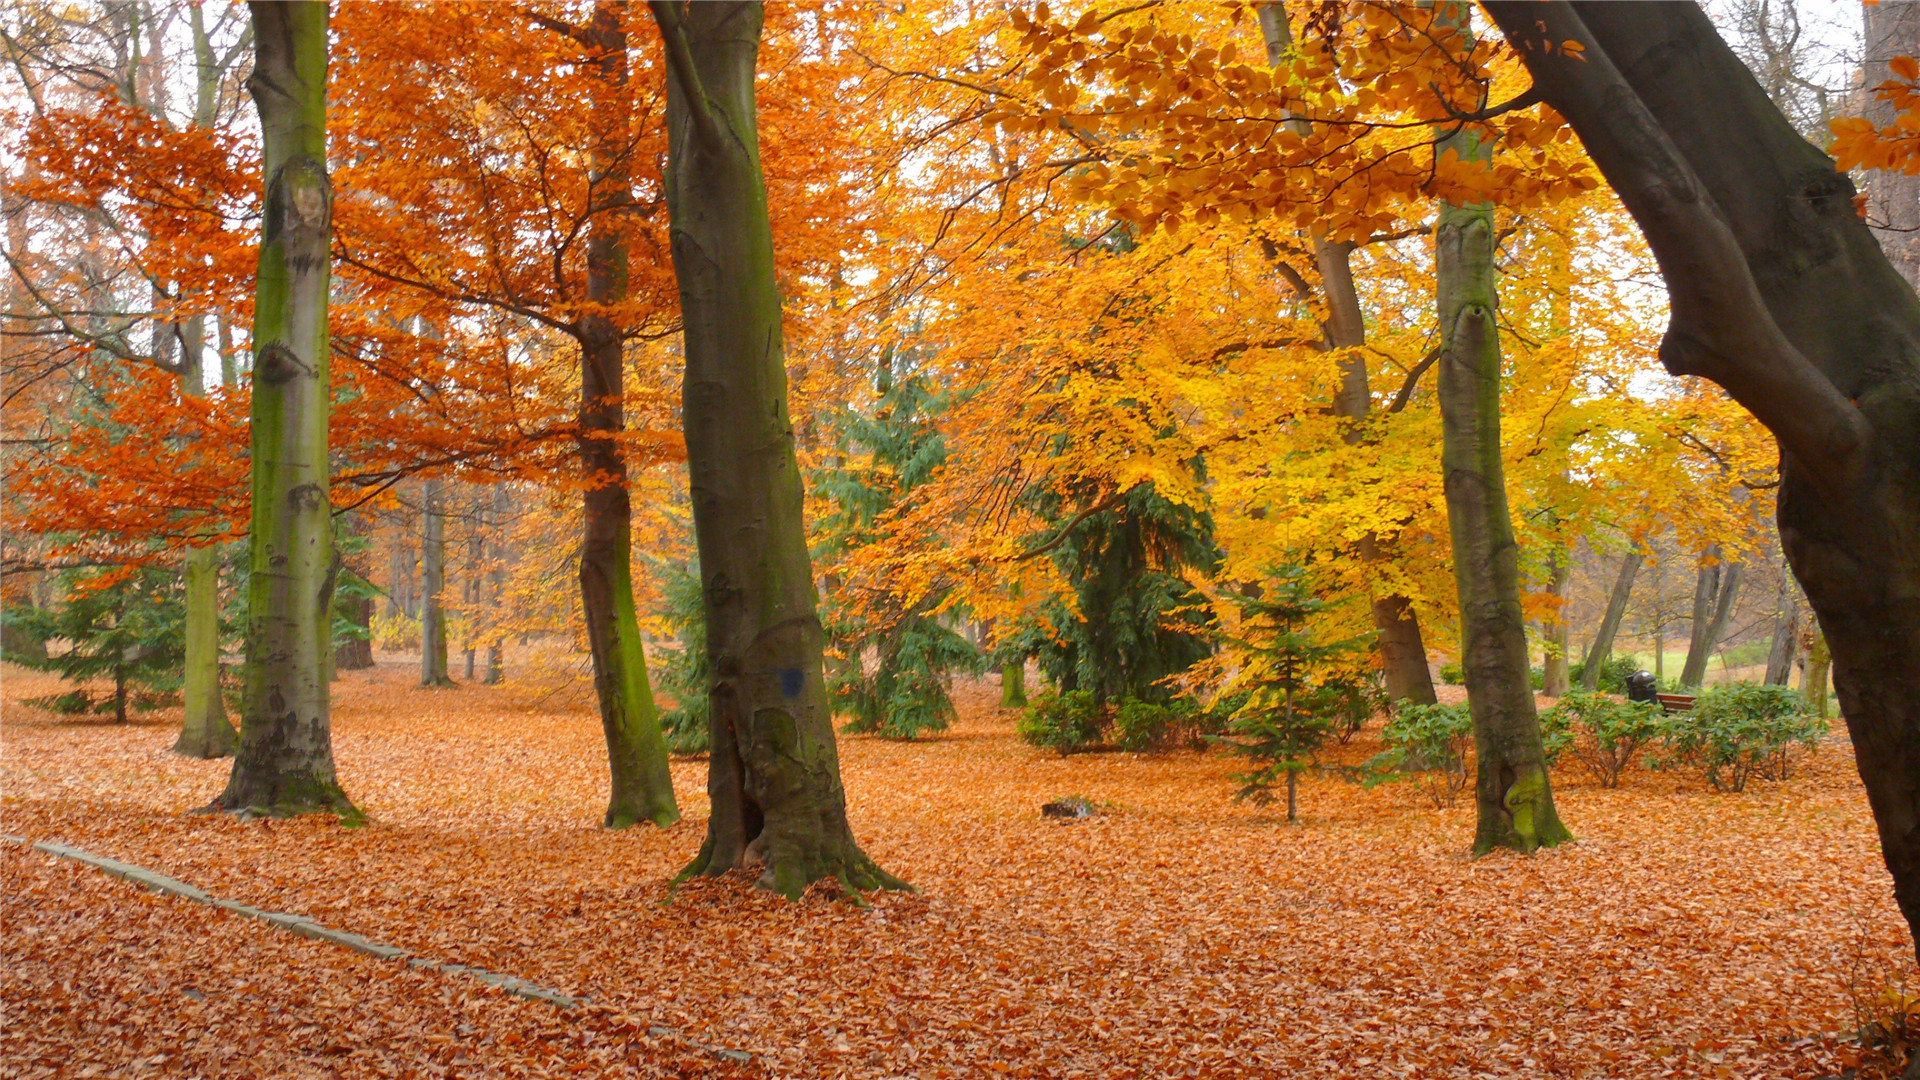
(205, 731)
(773, 773)
(285, 760)
(1602, 648)
(1779, 293)
(1013, 686)
(1403, 652)
(1786, 636)
(1715, 591)
(642, 787)
(1893, 198)
(497, 581)
(471, 584)
(1555, 676)
(433, 575)
(1513, 793)
(1813, 681)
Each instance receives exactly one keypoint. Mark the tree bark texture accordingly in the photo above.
(1893, 199)
(1403, 651)
(1782, 295)
(433, 584)
(1555, 675)
(1786, 637)
(641, 786)
(497, 582)
(1513, 794)
(1602, 648)
(1013, 686)
(774, 770)
(1716, 589)
(285, 761)
(205, 731)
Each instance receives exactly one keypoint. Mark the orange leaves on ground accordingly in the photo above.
(1180, 934)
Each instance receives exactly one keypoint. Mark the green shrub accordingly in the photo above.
(1613, 673)
(71, 703)
(1602, 734)
(1453, 674)
(1347, 700)
(1066, 723)
(1142, 726)
(1737, 732)
(1426, 745)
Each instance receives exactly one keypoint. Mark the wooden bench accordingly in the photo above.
(1676, 703)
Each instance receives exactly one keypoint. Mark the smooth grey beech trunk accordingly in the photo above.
(285, 761)
(433, 584)
(774, 772)
(1786, 636)
(1716, 589)
(1403, 652)
(641, 787)
(1779, 293)
(1601, 649)
(1513, 794)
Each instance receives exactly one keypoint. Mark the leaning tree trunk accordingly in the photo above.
(642, 787)
(1715, 591)
(433, 585)
(1403, 652)
(205, 731)
(774, 771)
(285, 761)
(1781, 294)
(1602, 647)
(1513, 793)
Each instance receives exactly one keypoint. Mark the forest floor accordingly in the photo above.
(1686, 933)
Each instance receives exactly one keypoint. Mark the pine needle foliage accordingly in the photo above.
(886, 453)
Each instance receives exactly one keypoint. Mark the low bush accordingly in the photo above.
(1602, 734)
(1738, 732)
(1065, 723)
(1426, 746)
(394, 632)
(1145, 726)
(1614, 673)
(1453, 674)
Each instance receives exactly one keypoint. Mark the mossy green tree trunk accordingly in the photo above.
(433, 583)
(1555, 671)
(1512, 791)
(285, 761)
(205, 731)
(1013, 686)
(774, 770)
(1778, 292)
(642, 787)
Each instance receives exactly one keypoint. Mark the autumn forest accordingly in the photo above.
(953, 539)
